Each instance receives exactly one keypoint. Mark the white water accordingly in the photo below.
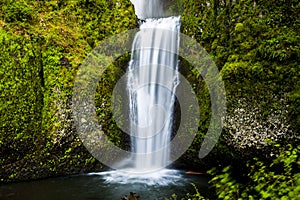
(152, 80)
(161, 177)
(148, 8)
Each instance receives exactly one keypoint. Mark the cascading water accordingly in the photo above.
(148, 9)
(152, 78)
(152, 81)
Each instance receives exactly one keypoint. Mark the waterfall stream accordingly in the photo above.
(152, 80)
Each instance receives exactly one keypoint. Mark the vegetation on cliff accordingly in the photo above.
(42, 45)
(255, 44)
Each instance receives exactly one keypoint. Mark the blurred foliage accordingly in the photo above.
(276, 180)
(196, 196)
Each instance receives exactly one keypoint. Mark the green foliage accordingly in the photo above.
(226, 186)
(231, 27)
(17, 12)
(103, 101)
(278, 180)
(43, 43)
(255, 44)
(196, 196)
(21, 97)
(257, 52)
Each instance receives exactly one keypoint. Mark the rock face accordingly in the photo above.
(249, 126)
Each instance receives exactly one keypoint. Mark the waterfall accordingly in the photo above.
(152, 80)
(148, 8)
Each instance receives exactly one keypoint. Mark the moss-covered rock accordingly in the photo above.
(42, 45)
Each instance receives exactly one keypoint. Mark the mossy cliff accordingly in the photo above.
(42, 45)
(255, 45)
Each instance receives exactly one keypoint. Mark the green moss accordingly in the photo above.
(239, 27)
